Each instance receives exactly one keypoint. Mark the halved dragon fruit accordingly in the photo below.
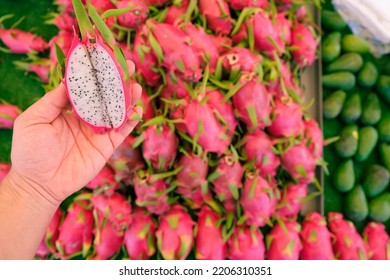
(96, 75)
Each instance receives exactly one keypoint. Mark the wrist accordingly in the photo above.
(30, 193)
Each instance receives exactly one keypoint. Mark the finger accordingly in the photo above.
(46, 109)
(136, 92)
(118, 137)
(131, 67)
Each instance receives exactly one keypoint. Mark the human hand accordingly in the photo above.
(54, 153)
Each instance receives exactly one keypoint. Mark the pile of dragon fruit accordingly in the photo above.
(221, 163)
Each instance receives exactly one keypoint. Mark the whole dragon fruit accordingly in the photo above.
(104, 181)
(241, 59)
(115, 208)
(176, 12)
(98, 87)
(377, 241)
(291, 201)
(283, 242)
(304, 44)
(194, 171)
(150, 193)
(299, 163)
(4, 169)
(227, 178)
(137, 14)
(347, 243)
(195, 198)
(126, 160)
(139, 237)
(241, 4)
(210, 122)
(47, 244)
(314, 137)
(157, 3)
(253, 105)
(22, 42)
(246, 243)
(316, 238)
(144, 58)
(288, 120)
(175, 234)
(258, 147)
(75, 232)
(8, 114)
(217, 14)
(203, 44)
(209, 242)
(177, 54)
(258, 200)
(160, 146)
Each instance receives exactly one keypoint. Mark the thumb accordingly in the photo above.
(46, 109)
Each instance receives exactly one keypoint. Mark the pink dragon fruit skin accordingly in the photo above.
(8, 114)
(288, 120)
(134, 17)
(149, 194)
(291, 202)
(209, 242)
(283, 242)
(316, 238)
(140, 236)
(203, 44)
(313, 135)
(108, 239)
(258, 147)
(160, 146)
(194, 198)
(223, 43)
(258, 200)
(175, 234)
(230, 173)
(126, 160)
(377, 241)
(48, 241)
(175, 14)
(241, 35)
(204, 124)
(347, 243)
(104, 180)
(194, 171)
(179, 56)
(75, 232)
(217, 14)
(241, 4)
(4, 169)
(246, 243)
(114, 114)
(299, 163)
(65, 21)
(64, 40)
(175, 88)
(101, 5)
(253, 104)
(143, 59)
(115, 208)
(304, 43)
(264, 32)
(157, 3)
(22, 42)
(42, 71)
(241, 59)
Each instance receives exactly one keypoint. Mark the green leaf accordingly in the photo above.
(101, 26)
(156, 47)
(60, 55)
(85, 24)
(116, 12)
(120, 57)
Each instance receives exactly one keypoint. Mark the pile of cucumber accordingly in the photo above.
(356, 108)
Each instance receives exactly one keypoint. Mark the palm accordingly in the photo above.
(63, 154)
